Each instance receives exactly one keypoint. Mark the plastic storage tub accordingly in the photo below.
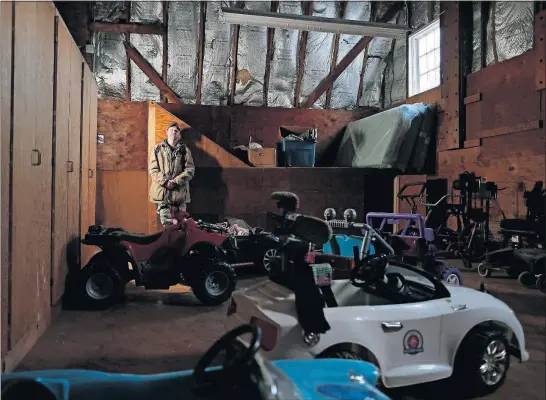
(296, 153)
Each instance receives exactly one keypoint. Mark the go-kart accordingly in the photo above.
(187, 252)
(414, 244)
(244, 374)
(398, 317)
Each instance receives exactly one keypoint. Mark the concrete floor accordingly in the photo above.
(158, 331)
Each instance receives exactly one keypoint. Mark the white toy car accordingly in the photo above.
(403, 320)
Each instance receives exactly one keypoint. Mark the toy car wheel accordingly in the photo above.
(528, 280)
(267, 257)
(452, 276)
(102, 286)
(482, 363)
(215, 284)
(541, 283)
(484, 270)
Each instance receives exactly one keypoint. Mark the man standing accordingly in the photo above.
(171, 168)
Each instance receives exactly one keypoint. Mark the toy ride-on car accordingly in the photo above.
(244, 374)
(398, 317)
(415, 246)
(188, 252)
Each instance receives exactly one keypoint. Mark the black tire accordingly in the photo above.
(484, 270)
(528, 280)
(541, 283)
(215, 284)
(101, 286)
(346, 354)
(473, 355)
(343, 354)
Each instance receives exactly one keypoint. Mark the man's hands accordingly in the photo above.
(171, 185)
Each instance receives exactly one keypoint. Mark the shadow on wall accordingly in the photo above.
(208, 189)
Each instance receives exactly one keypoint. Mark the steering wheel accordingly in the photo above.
(237, 355)
(369, 271)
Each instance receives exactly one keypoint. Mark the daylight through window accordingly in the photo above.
(424, 59)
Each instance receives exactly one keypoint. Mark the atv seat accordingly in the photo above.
(139, 239)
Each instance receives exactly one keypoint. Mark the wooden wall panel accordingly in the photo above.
(123, 125)
(6, 38)
(32, 124)
(122, 200)
(509, 98)
(61, 158)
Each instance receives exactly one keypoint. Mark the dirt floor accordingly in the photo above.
(166, 331)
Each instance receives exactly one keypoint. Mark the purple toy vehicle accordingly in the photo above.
(414, 248)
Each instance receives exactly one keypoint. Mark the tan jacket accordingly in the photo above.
(167, 163)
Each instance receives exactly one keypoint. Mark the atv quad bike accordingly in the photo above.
(188, 252)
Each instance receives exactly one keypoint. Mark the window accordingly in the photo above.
(424, 59)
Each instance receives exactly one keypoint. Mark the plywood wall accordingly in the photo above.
(41, 108)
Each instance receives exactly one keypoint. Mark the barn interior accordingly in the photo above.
(89, 88)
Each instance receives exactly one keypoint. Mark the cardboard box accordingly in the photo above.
(263, 158)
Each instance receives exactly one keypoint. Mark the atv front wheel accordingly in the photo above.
(482, 363)
(484, 270)
(215, 284)
(528, 280)
(102, 286)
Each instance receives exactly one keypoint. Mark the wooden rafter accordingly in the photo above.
(151, 73)
(335, 51)
(348, 59)
(165, 61)
(145, 29)
(307, 9)
(269, 53)
(200, 50)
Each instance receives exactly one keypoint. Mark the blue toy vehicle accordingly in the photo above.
(243, 375)
(342, 244)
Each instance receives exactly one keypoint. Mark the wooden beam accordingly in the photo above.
(373, 10)
(473, 99)
(335, 51)
(233, 71)
(348, 59)
(307, 9)
(200, 50)
(126, 19)
(269, 54)
(144, 29)
(150, 72)
(165, 61)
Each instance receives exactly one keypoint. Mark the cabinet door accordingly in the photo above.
(32, 172)
(92, 148)
(86, 116)
(61, 163)
(74, 156)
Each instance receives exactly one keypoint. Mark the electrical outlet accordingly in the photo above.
(100, 139)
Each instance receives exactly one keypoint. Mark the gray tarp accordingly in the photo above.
(396, 138)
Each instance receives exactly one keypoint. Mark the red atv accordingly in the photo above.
(188, 252)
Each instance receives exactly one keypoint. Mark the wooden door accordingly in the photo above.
(6, 37)
(61, 164)
(86, 117)
(92, 148)
(33, 61)
(74, 157)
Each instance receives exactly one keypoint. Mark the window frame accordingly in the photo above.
(413, 56)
